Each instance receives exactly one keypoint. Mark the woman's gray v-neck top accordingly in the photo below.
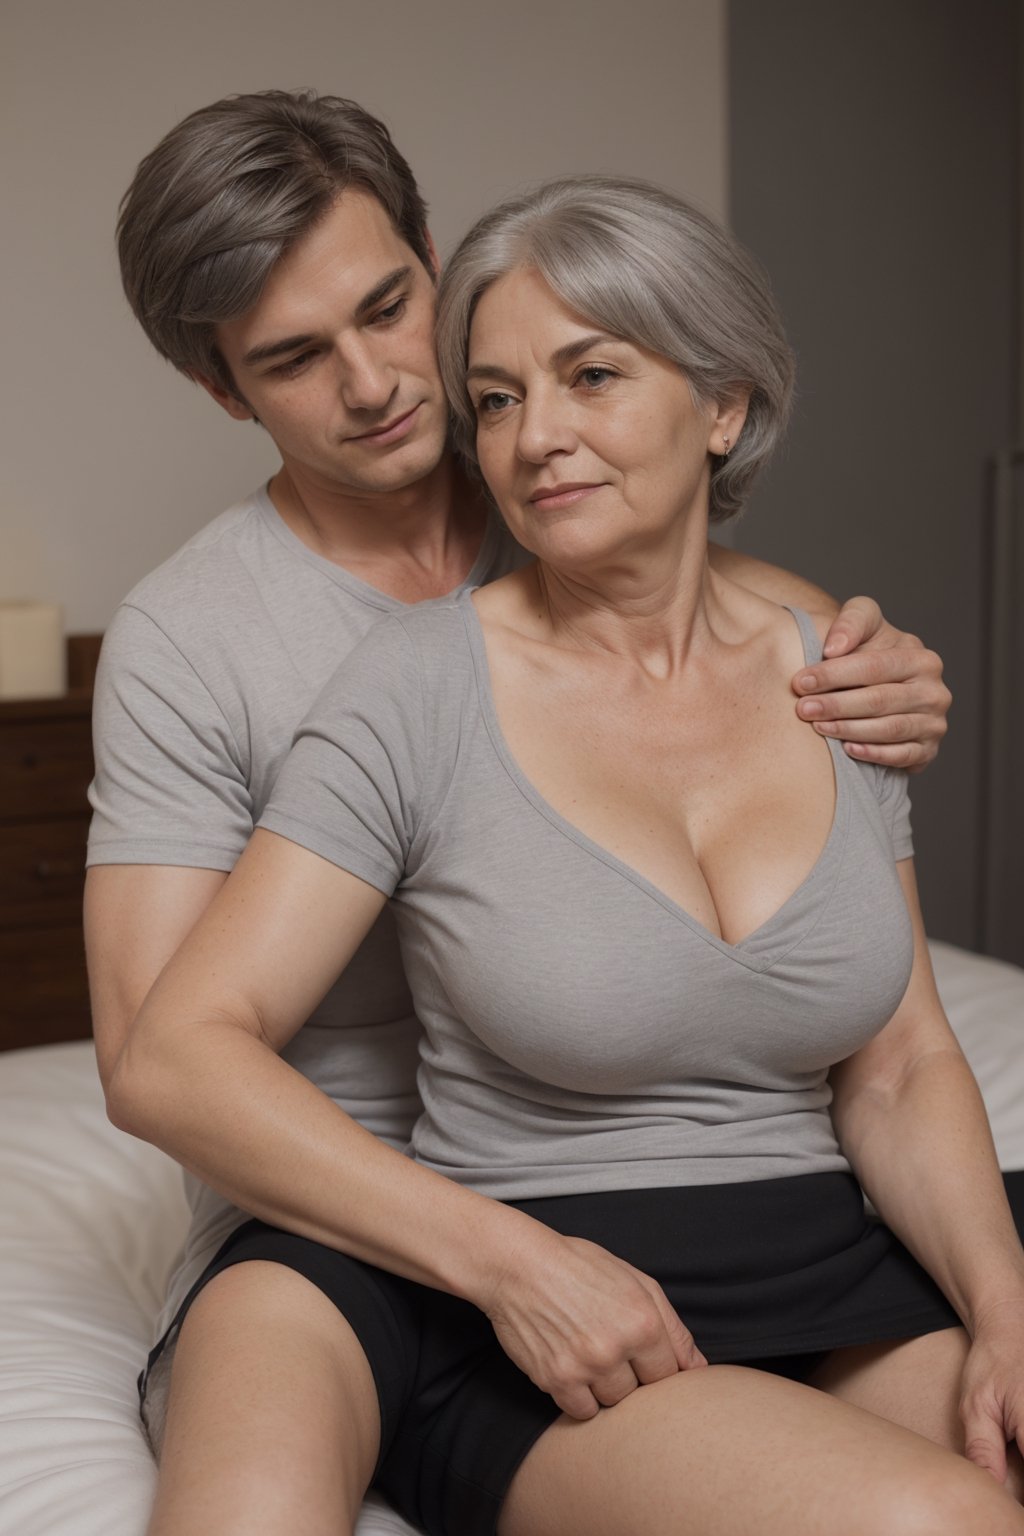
(584, 1032)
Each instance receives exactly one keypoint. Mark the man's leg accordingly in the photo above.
(733, 1451)
(273, 1421)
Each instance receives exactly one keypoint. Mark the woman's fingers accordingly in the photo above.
(611, 1389)
(585, 1326)
(684, 1349)
(985, 1442)
(992, 1390)
(577, 1401)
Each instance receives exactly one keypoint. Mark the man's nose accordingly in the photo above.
(367, 381)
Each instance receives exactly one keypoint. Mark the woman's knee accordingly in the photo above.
(265, 1328)
(955, 1499)
(272, 1409)
(260, 1296)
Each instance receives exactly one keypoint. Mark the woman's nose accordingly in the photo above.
(544, 427)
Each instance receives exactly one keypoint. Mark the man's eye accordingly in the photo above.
(392, 312)
(294, 365)
(493, 402)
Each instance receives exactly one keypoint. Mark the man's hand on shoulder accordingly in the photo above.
(878, 690)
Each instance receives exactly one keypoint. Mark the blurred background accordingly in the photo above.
(869, 152)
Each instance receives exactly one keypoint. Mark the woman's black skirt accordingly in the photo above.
(772, 1274)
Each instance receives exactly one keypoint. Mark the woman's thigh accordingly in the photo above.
(272, 1419)
(731, 1450)
(913, 1382)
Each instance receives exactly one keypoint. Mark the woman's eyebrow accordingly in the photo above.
(574, 349)
(487, 371)
(559, 358)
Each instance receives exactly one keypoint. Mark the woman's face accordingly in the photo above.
(593, 447)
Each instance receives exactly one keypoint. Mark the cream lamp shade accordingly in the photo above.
(32, 660)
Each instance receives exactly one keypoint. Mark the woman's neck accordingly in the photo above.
(652, 608)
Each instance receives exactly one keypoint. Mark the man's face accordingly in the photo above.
(336, 359)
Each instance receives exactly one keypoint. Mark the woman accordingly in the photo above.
(654, 927)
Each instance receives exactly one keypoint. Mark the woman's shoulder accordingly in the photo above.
(400, 665)
(785, 636)
(813, 627)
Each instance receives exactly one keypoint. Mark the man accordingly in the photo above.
(275, 249)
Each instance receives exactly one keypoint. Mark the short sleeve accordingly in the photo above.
(348, 789)
(170, 786)
(894, 799)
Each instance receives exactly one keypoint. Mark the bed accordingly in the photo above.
(90, 1220)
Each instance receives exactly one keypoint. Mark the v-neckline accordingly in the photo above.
(750, 951)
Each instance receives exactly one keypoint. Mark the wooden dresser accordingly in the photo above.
(45, 769)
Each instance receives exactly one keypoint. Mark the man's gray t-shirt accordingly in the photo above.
(207, 669)
(582, 1031)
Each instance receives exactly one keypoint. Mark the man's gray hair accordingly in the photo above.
(227, 191)
(647, 267)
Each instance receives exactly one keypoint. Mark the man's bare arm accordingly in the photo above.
(136, 918)
(878, 690)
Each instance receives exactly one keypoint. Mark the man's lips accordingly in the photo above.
(563, 495)
(391, 431)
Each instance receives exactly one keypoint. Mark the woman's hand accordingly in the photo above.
(992, 1388)
(878, 690)
(585, 1326)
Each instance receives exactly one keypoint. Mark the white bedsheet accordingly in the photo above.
(90, 1220)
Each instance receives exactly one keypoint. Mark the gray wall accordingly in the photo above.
(873, 169)
(110, 459)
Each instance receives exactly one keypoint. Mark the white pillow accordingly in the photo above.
(90, 1220)
(984, 1000)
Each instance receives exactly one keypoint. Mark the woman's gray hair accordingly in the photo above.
(226, 192)
(647, 267)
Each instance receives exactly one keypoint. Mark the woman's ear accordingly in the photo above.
(730, 414)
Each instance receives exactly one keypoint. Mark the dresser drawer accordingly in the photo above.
(42, 872)
(45, 767)
(44, 991)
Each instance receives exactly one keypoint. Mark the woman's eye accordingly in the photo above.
(594, 376)
(497, 400)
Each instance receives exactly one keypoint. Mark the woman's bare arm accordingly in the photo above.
(912, 1123)
(199, 1075)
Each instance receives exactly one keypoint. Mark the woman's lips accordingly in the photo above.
(392, 432)
(561, 495)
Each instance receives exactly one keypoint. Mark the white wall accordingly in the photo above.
(109, 458)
